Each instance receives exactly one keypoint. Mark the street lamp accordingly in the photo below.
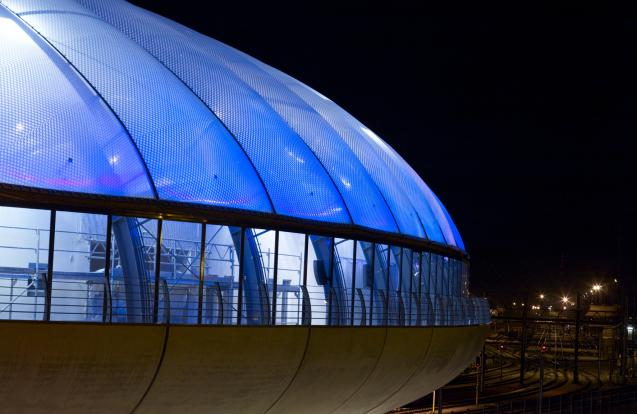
(597, 287)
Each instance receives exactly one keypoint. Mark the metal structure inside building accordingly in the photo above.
(184, 228)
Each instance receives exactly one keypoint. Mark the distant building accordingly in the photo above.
(184, 228)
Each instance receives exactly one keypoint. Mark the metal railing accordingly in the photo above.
(96, 297)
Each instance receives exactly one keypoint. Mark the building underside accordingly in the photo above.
(79, 368)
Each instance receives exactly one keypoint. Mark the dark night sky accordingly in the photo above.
(522, 121)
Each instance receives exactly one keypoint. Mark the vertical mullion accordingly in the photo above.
(305, 259)
(420, 270)
(158, 272)
(372, 284)
(202, 265)
(448, 289)
(330, 282)
(305, 299)
(400, 270)
(240, 292)
(387, 287)
(430, 290)
(49, 270)
(276, 275)
(411, 282)
(107, 272)
(399, 298)
(353, 284)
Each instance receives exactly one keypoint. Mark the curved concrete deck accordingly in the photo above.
(78, 368)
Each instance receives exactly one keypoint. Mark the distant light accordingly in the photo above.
(514, 303)
(541, 295)
(615, 280)
(565, 299)
(597, 287)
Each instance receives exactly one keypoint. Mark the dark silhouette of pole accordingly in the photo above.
(576, 351)
(539, 406)
(525, 308)
(478, 382)
(599, 354)
(483, 364)
(624, 337)
(440, 401)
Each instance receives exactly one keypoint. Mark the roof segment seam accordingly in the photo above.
(354, 154)
(294, 133)
(328, 125)
(87, 82)
(163, 64)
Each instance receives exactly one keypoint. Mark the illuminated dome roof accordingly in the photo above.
(105, 98)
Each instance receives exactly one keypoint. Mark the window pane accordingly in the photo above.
(362, 286)
(258, 268)
(179, 276)
(414, 304)
(289, 300)
(318, 278)
(221, 275)
(342, 280)
(426, 293)
(133, 270)
(395, 315)
(380, 301)
(78, 290)
(24, 241)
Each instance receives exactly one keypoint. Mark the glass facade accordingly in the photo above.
(71, 266)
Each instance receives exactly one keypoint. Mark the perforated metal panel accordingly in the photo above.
(456, 234)
(296, 181)
(212, 125)
(55, 133)
(386, 178)
(189, 153)
(390, 172)
(363, 200)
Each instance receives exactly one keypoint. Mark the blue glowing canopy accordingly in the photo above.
(103, 97)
